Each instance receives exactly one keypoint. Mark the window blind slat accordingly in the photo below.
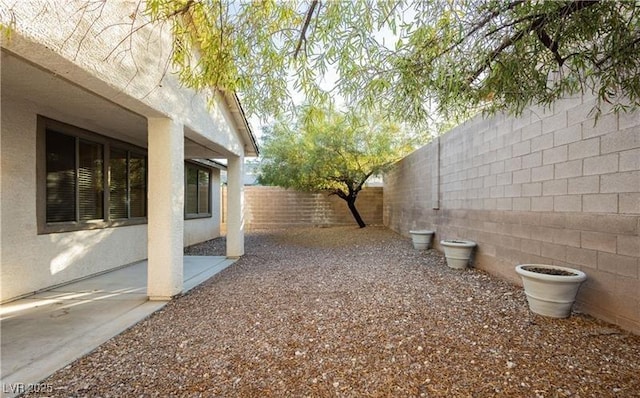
(61, 177)
(138, 182)
(90, 191)
(118, 184)
(191, 194)
(203, 192)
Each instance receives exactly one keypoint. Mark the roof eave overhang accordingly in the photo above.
(242, 124)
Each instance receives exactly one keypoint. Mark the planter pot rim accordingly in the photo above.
(458, 243)
(578, 276)
(421, 232)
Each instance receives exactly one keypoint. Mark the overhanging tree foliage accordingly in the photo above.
(409, 57)
(325, 150)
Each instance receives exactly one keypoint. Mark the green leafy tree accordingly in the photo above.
(410, 58)
(325, 150)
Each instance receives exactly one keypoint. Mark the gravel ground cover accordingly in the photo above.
(347, 312)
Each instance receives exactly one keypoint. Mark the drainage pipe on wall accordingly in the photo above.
(435, 180)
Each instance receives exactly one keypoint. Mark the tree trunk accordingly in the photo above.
(350, 198)
(351, 202)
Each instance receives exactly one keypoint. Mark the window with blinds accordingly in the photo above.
(118, 184)
(204, 188)
(137, 185)
(61, 177)
(88, 180)
(127, 185)
(197, 189)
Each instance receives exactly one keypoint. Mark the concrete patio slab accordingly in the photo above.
(44, 332)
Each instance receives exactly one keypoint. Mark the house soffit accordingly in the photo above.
(60, 99)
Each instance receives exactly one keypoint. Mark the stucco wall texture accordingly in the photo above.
(273, 207)
(548, 187)
(77, 73)
(29, 261)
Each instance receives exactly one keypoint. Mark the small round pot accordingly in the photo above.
(550, 289)
(458, 252)
(421, 238)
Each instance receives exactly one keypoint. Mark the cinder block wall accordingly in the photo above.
(548, 187)
(274, 207)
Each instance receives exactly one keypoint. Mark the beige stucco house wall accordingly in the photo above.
(82, 67)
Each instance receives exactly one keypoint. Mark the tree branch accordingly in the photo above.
(506, 43)
(550, 44)
(488, 18)
(182, 10)
(339, 193)
(599, 63)
(537, 25)
(481, 24)
(360, 185)
(303, 32)
(393, 9)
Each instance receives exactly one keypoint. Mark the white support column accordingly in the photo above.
(216, 202)
(166, 208)
(235, 207)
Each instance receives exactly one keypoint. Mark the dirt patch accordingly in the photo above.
(549, 271)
